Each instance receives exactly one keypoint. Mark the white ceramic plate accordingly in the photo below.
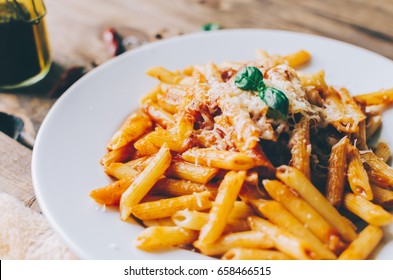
(72, 138)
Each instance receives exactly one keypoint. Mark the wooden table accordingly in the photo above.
(75, 29)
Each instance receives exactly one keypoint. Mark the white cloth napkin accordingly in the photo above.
(25, 234)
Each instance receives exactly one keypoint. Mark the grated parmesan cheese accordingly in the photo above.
(285, 79)
(245, 111)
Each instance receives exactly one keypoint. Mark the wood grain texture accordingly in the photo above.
(15, 172)
(365, 23)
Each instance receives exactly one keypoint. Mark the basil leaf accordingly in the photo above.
(211, 26)
(249, 78)
(277, 102)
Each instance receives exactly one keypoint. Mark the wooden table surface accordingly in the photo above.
(75, 29)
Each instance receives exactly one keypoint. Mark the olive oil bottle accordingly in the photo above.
(24, 49)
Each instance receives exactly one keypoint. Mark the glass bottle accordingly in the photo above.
(24, 48)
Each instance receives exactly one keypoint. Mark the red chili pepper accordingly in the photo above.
(113, 41)
(67, 79)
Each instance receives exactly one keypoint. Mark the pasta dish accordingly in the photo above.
(253, 160)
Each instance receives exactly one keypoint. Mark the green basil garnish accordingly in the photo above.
(250, 78)
(211, 26)
(277, 102)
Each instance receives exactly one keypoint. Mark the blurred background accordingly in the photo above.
(84, 34)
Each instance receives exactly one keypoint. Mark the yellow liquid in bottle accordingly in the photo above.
(24, 50)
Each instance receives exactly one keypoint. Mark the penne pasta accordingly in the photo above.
(363, 245)
(144, 147)
(111, 194)
(189, 171)
(336, 172)
(301, 147)
(223, 204)
(382, 151)
(360, 138)
(341, 111)
(167, 207)
(164, 75)
(157, 114)
(264, 57)
(169, 237)
(122, 154)
(357, 175)
(171, 97)
(134, 126)
(383, 197)
(241, 210)
(256, 153)
(310, 218)
(219, 159)
(245, 239)
(261, 161)
(335, 107)
(161, 136)
(351, 107)
(144, 181)
(151, 96)
(151, 197)
(298, 58)
(316, 80)
(314, 96)
(190, 219)
(296, 180)
(378, 171)
(282, 240)
(174, 187)
(384, 97)
(366, 210)
(196, 220)
(236, 225)
(277, 214)
(185, 123)
(139, 163)
(120, 170)
(159, 222)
